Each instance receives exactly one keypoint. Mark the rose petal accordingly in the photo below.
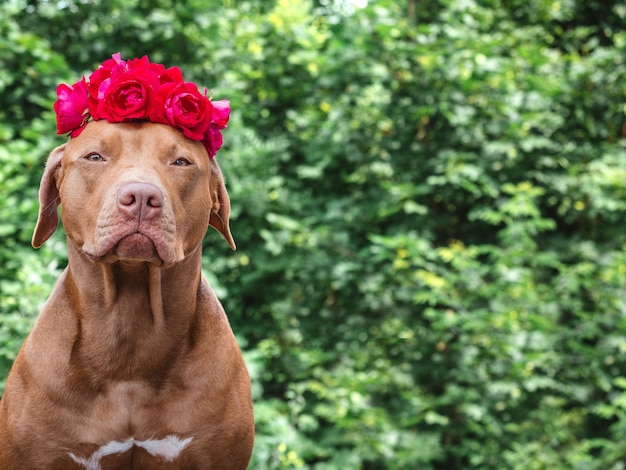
(221, 113)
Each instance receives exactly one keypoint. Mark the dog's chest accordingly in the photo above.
(123, 405)
(122, 426)
(167, 449)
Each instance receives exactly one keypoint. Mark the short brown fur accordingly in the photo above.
(132, 342)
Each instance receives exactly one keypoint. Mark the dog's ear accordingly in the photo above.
(220, 209)
(49, 199)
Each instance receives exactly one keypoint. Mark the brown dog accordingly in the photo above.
(132, 363)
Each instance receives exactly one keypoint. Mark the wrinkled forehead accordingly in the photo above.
(145, 139)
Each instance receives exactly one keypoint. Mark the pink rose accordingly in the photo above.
(213, 140)
(221, 113)
(182, 106)
(71, 108)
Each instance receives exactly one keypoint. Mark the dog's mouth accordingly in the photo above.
(113, 242)
(136, 247)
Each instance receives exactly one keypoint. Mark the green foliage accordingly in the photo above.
(27, 83)
(428, 203)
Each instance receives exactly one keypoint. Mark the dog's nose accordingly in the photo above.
(140, 200)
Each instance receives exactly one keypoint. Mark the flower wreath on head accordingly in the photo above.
(140, 90)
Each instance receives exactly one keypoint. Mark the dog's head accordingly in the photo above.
(133, 191)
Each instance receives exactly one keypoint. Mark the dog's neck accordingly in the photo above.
(140, 315)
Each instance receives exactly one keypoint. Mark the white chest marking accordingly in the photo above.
(168, 448)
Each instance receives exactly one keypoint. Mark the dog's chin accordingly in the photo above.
(136, 247)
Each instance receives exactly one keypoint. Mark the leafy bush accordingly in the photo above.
(428, 204)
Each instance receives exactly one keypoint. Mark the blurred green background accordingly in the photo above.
(429, 203)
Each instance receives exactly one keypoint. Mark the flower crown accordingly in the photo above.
(140, 90)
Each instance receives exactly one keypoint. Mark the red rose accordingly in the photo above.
(143, 63)
(182, 106)
(71, 108)
(173, 74)
(100, 80)
(129, 95)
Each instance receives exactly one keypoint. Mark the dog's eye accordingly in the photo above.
(94, 157)
(181, 162)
